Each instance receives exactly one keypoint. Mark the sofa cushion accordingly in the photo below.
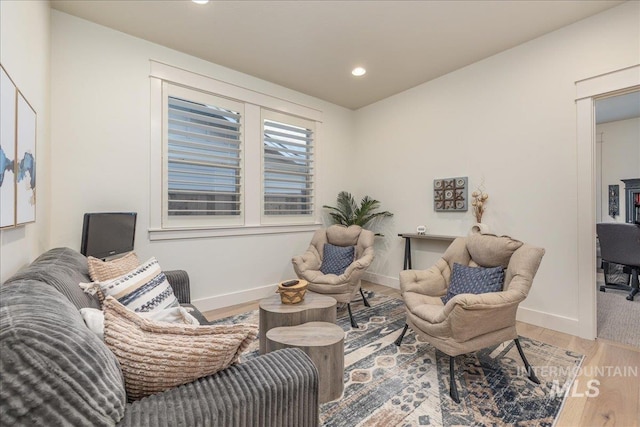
(62, 268)
(336, 259)
(157, 356)
(474, 280)
(55, 371)
(100, 270)
(144, 289)
(489, 250)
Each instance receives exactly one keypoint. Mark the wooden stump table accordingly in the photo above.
(324, 343)
(314, 308)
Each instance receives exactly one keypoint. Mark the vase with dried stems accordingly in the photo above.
(478, 203)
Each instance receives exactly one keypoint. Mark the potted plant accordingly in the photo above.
(347, 212)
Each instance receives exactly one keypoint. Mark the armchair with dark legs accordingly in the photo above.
(344, 283)
(470, 321)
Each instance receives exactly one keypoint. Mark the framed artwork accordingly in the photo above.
(614, 200)
(17, 155)
(450, 194)
(8, 94)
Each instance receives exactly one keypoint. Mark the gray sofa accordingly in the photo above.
(55, 371)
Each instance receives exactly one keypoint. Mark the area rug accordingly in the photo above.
(386, 385)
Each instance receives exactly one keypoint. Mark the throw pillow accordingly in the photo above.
(143, 289)
(336, 259)
(157, 356)
(94, 318)
(474, 280)
(99, 270)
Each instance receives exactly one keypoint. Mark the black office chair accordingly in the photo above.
(620, 244)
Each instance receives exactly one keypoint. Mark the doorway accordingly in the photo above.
(587, 91)
(617, 155)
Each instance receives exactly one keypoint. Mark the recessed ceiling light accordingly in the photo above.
(200, 1)
(358, 71)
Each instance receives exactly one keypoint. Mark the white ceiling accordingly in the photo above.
(311, 46)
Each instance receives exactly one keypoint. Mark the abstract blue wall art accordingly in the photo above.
(17, 155)
(8, 93)
(26, 168)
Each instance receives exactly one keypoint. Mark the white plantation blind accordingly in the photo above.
(288, 166)
(204, 159)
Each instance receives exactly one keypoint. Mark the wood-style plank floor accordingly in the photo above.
(618, 396)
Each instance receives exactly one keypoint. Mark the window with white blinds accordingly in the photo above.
(228, 160)
(287, 166)
(203, 159)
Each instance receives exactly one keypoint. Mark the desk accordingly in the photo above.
(407, 244)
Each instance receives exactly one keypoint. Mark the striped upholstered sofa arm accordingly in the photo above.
(278, 389)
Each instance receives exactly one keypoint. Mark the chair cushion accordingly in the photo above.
(157, 356)
(144, 289)
(489, 250)
(340, 235)
(99, 270)
(336, 259)
(474, 280)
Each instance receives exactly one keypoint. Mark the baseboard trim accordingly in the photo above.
(543, 319)
(379, 279)
(230, 299)
(551, 321)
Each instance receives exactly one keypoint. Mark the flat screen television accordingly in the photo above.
(105, 234)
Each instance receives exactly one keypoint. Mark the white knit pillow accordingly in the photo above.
(157, 356)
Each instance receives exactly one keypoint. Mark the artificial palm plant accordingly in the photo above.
(347, 212)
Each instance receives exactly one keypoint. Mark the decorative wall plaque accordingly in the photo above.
(450, 194)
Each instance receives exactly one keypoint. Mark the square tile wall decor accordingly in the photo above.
(450, 194)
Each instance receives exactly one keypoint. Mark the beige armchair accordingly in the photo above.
(343, 287)
(469, 322)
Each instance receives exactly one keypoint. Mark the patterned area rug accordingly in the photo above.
(386, 385)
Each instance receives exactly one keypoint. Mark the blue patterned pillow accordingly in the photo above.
(336, 259)
(474, 280)
(143, 289)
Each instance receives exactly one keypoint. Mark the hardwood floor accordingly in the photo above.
(614, 367)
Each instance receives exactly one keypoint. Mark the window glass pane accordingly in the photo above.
(203, 159)
(288, 169)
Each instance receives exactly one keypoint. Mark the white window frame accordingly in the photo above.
(254, 103)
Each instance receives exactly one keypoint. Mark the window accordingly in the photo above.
(287, 166)
(203, 155)
(228, 160)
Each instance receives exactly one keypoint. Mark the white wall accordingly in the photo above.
(510, 120)
(101, 147)
(25, 54)
(619, 158)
